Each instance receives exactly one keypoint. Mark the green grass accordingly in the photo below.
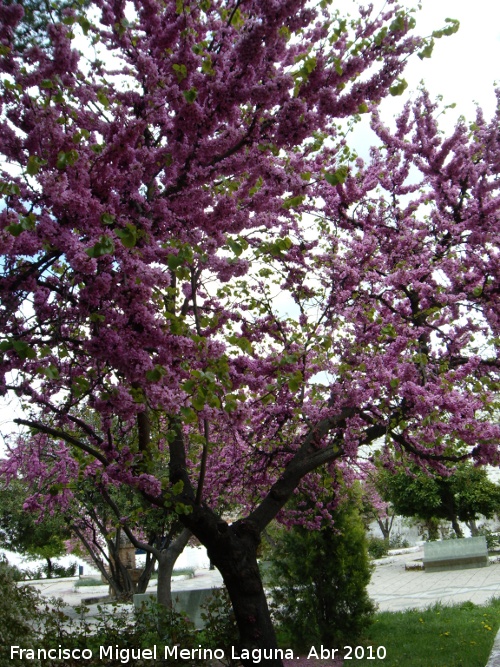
(440, 636)
(89, 582)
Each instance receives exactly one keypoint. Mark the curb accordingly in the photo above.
(494, 660)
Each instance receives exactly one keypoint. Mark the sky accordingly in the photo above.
(463, 69)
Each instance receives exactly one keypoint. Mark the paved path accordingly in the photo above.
(392, 587)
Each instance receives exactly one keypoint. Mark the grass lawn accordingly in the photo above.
(441, 636)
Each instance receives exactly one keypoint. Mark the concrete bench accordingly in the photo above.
(188, 602)
(459, 554)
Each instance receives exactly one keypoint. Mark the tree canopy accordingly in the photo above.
(192, 254)
(461, 496)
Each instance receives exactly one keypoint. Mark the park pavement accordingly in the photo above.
(392, 587)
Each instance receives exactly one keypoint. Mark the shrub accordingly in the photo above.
(377, 547)
(221, 630)
(398, 542)
(17, 606)
(320, 581)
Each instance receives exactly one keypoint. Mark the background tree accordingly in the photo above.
(463, 495)
(155, 205)
(374, 508)
(21, 533)
(39, 15)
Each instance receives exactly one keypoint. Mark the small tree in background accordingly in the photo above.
(321, 577)
(22, 533)
(461, 496)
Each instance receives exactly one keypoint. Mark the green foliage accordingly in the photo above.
(17, 605)
(22, 533)
(492, 539)
(320, 580)
(39, 14)
(27, 620)
(377, 547)
(463, 495)
(220, 631)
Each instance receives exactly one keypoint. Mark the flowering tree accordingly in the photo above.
(193, 255)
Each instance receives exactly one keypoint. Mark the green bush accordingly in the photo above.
(29, 621)
(492, 539)
(17, 607)
(221, 630)
(377, 547)
(320, 579)
(398, 542)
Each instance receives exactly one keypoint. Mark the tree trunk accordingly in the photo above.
(432, 526)
(234, 553)
(385, 527)
(472, 526)
(49, 568)
(166, 562)
(143, 582)
(456, 526)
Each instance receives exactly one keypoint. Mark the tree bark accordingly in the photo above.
(166, 562)
(234, 553)
(472, 526)
(456, 526)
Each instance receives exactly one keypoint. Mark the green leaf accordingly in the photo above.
(9, 188)
(180, 71)
(137, 395)
(337, 177)
(230, 403)
(399, 23)
(6, 345)
(128, 235)
(103, 98)
(51, 372)
(389, 330)
(104, 246)
(156, 374)
(107, 218)
(243, 343)
(293, 202)
(295, 381)
(426, 52)
(398, 88)
(190, 95)
(189, 415)
(452, 27)
(34, 164)
(26, 223)
(23, 350)
(198, 400)
(66, 159)
(80, 386)
(84, 24)
(236, 247)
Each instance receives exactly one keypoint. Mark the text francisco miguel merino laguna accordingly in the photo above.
(124, 655)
